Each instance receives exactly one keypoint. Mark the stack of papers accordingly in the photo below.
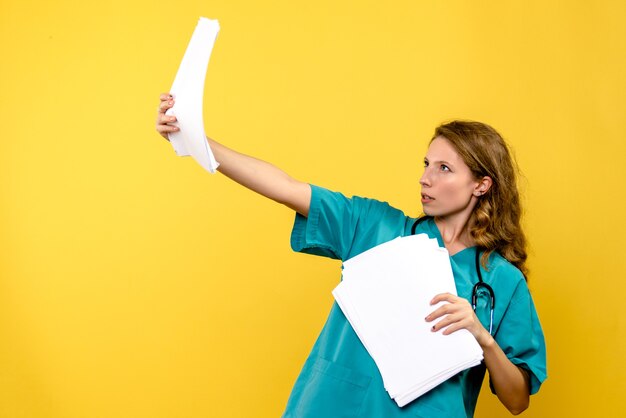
(385, 294)
(188, 91)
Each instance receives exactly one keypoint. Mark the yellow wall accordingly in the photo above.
(135, 284)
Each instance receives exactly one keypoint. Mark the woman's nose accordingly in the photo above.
(425, 180)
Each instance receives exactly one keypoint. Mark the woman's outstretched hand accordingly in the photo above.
(457, 314)
(164, 123)
(257, 175)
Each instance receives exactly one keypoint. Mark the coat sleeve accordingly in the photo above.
(521, 338)
(339, 227)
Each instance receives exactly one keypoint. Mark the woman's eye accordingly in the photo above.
(445, 167)
(425, 163)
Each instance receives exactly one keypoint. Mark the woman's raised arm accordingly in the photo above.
(259, 176)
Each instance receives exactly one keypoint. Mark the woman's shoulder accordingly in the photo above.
(503, 269)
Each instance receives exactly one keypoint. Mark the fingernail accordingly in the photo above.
(171, 102)
(433, 328)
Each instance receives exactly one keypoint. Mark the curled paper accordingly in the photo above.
(188, 90)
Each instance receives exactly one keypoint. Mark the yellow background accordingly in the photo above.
(135, 284)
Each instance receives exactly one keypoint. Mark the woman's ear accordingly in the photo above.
(483, 186)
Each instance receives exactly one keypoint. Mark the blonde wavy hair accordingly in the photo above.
(495, 224)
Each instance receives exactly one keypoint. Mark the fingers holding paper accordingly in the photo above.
(164, 123)
(455, 315)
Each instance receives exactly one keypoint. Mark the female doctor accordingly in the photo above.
(472, 207)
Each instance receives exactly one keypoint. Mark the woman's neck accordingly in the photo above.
(455, 232)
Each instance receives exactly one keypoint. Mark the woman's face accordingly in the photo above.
(448, 186)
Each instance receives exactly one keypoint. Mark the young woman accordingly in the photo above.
(472, 207)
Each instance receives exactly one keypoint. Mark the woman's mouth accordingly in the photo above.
(426, 198)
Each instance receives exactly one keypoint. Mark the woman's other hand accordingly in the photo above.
(457, 314)
(511, 382)
(165, 123)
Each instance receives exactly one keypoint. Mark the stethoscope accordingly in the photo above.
(478, 286)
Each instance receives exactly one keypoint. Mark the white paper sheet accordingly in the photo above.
(188, 91)
(385, 294)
